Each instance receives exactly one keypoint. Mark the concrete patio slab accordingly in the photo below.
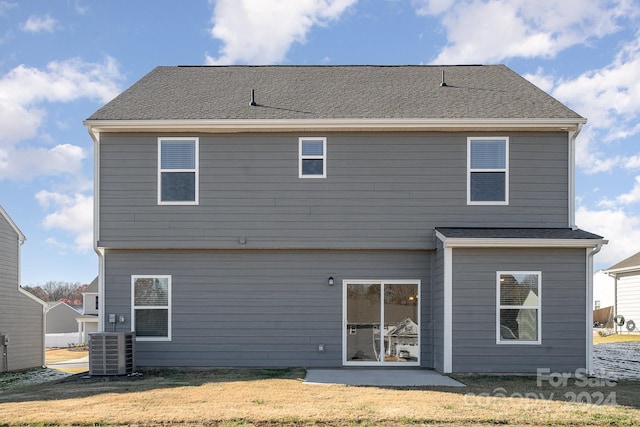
(380, 377)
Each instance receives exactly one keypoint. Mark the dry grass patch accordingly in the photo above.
(239, 397)
(56, 355)
(616, 338)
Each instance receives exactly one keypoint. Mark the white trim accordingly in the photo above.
(623, 270)
(504, 170)
(95, 136)
(151, 307)
(589, 308)
(382, 283)
(499, 307)
(573, 134)
(468, 242)
(259, 125)
(447, 350)
(196, 170)
(302, 157)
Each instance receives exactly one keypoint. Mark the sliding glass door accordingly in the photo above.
(381, 322)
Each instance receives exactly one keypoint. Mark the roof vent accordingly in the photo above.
(442, 82)
(253, 98)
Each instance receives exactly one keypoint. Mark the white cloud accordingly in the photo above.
(542, 80)
(61, 159)
(40, 24)
(71, 214)
(488, 31)
(6, 5)
(617, 226)
(61, 247)
(432, 7)
(62, 81)
(25, 95)
(610, 98)
(625, 199)
(262, 31)
(632, 162)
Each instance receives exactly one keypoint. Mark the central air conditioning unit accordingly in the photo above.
(111, 353)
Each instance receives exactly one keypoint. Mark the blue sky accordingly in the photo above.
(62, 60)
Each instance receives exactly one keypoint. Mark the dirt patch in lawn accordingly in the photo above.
(255, 397)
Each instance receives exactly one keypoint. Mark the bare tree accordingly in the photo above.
(58, 291)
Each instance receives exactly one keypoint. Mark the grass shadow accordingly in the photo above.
(83, 384)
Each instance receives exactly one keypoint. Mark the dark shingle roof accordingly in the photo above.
(333, 92)
(517, 233)
(632, 261)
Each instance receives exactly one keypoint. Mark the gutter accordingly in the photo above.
(344, 124)
(589, 311)
(453, 242)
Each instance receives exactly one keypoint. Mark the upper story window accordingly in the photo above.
(178, 171)
(312, 157)
(518, 307)
(488, 171)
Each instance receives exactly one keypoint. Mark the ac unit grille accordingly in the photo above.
(111, 353)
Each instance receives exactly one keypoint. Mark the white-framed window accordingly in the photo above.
(519, 306)
(151, 307)
(488, 170)
(178, 171)
(312, 158)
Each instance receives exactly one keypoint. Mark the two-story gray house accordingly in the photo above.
(326, 216)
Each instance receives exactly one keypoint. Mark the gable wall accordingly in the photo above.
(381, 191)
(21, 318)
(62, 318)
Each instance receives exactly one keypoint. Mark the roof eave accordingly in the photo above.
(257, 125)
(623, 270)
(459, 242)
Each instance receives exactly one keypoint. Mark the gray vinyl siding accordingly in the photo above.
(62, 318)
(382, 191)
(21, 318)
(252, 308)
(563, 347)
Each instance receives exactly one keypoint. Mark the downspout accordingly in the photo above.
(573, 134)
(95, 136)
(589, 304)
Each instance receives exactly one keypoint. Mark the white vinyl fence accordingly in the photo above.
(62, 340)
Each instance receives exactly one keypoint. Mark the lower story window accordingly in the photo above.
(151, 313)
(518, 307)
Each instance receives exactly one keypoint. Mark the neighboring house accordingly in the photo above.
(88, 321)
(61, 325)
(21, 314)
(61, 318)
(603, 290)
(290, 215)
(626, 275)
